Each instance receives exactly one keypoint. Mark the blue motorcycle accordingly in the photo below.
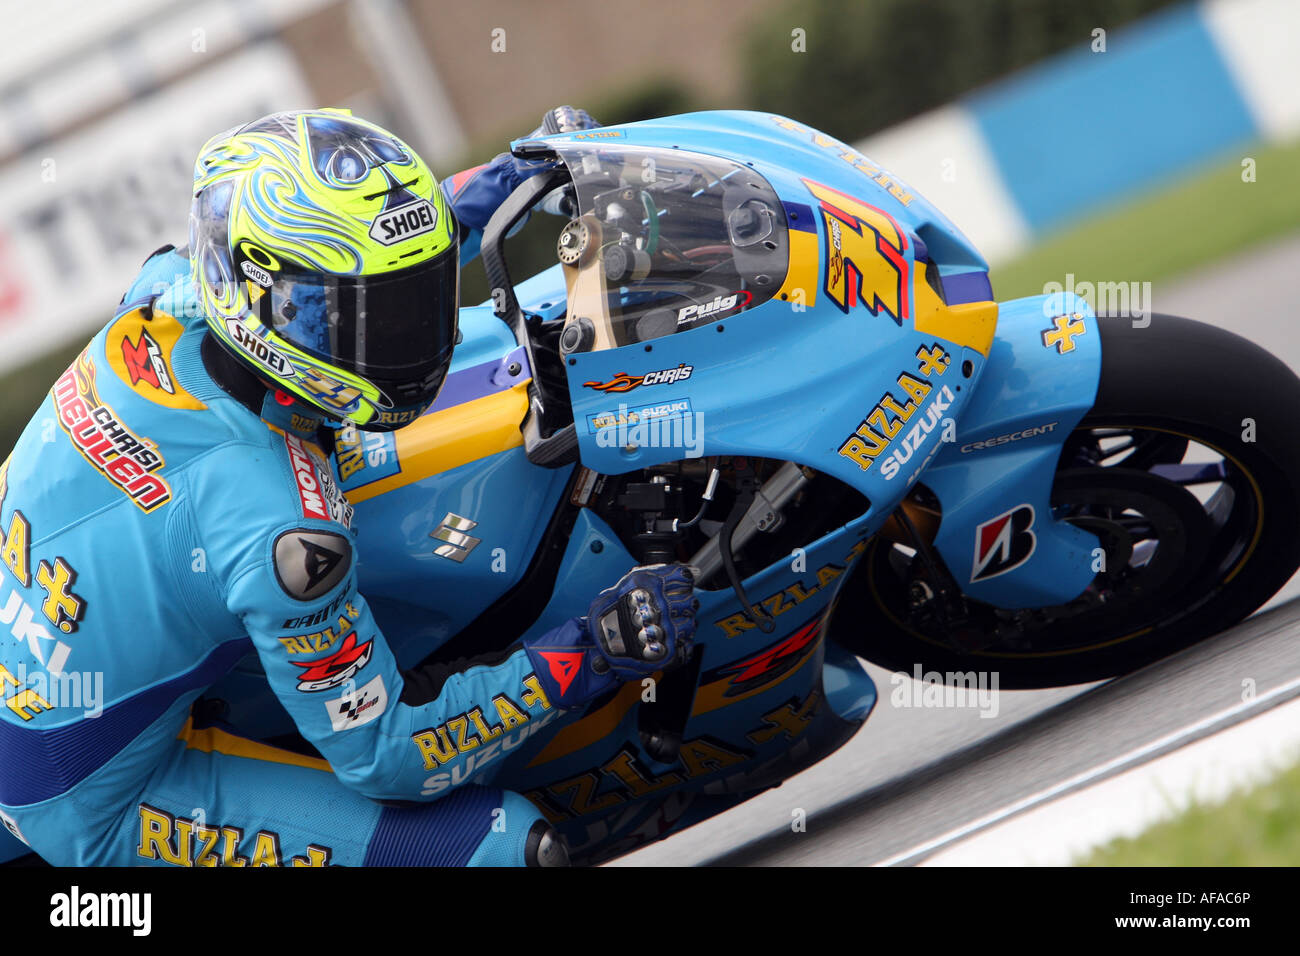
(764, 355)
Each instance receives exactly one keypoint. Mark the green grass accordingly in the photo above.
(1258, 826)
(1208, 215)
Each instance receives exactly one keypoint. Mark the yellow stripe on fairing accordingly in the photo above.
(453, 437)
(213, 740)
(805, 269)
(971, 324)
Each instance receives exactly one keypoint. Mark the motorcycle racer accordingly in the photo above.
(170, 509)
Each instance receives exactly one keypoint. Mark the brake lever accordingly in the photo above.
(747, 485)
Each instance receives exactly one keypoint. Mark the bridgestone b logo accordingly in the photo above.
(1003, 543)
(413, 219)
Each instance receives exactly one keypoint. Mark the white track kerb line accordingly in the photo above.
(1265, 701)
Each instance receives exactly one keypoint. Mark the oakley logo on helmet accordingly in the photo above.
(256, 349)
(256, 273)
(413, 219)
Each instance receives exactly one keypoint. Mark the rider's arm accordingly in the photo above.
(415, 735)
(384, 736)
(476, 193)
(284, 554)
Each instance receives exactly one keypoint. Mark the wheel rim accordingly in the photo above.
(1177, 518)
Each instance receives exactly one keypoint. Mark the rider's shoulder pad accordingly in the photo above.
(310, 563)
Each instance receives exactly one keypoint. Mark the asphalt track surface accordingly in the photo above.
(915, 779)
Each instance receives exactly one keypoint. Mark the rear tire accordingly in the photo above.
(1164, 387)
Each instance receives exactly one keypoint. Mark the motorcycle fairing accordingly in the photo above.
(433, 555)
(1040, 381)
(842, 338)
(833, 361)
(759, 692)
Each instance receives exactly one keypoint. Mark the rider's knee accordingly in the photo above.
(545, 846)
(520, 836)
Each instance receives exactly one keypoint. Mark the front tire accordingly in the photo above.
(1186, 468)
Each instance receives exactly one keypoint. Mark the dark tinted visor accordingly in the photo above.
(395, 328)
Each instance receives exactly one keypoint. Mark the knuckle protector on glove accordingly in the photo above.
(645, 621)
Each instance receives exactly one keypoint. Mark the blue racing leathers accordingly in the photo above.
(157, 525)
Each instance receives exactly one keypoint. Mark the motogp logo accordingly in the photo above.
(359, 706)
(1003, 543)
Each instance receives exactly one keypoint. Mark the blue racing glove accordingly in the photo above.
(643, 624)
(562, 119)
(475, 194)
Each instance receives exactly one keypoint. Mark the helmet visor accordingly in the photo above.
(395, 329)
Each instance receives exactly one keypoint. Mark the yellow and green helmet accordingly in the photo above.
(327, 260)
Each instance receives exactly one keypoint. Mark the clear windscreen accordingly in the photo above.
(666, 240)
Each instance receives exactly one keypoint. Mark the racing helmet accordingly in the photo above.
(327, 260)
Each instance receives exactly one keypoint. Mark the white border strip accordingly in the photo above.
(944, 156)
(1204, 772)
(1258, 41)
(1186, 734)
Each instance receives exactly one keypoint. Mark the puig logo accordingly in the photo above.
(713, 310)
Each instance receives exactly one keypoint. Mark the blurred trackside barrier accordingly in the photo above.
(1082, 130)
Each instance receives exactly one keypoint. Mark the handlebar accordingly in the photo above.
(546, 443)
